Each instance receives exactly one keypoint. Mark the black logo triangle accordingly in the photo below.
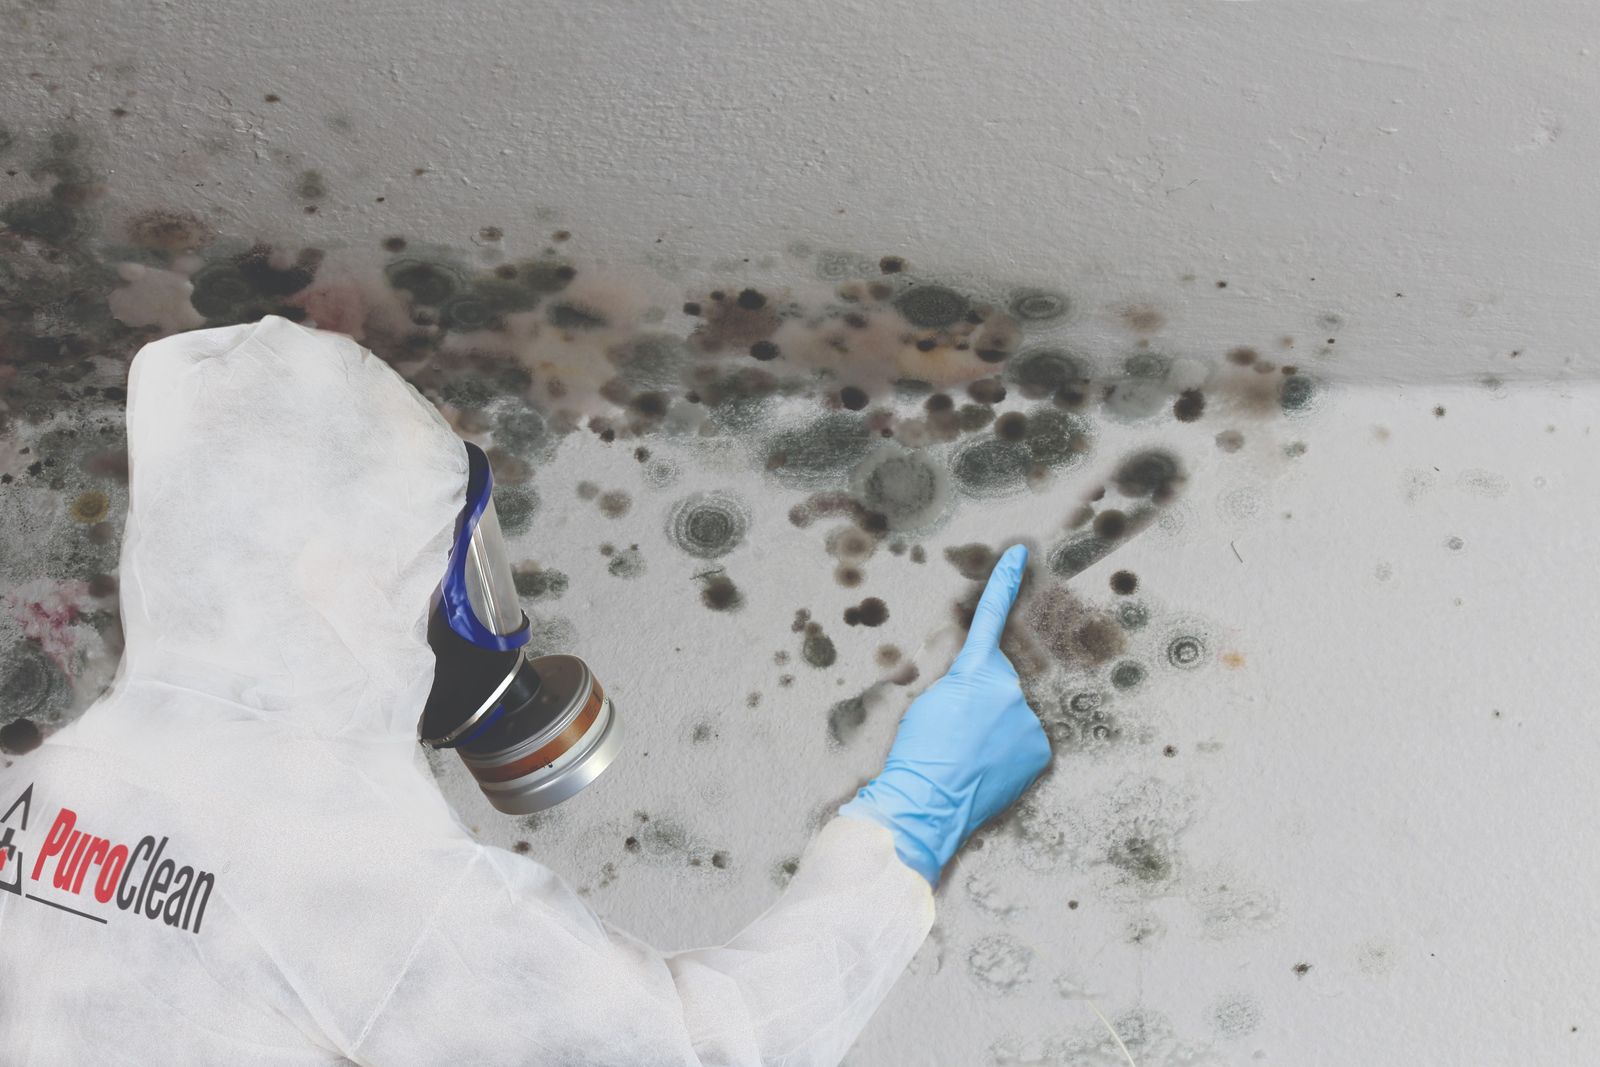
(9, 853)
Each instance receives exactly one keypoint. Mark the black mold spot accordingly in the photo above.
(764, 351)
(853, 397)
(1127, 675)
(972, 417)
(931, 307)
(1124, 583)
(245, 286)
(737, 323)
(846, 718)
(1078, 554)
(651, 405)
(1081, 721)
(1038, 305)
(1141, 858)
(650, 361)
(708, 525)
(537, 583)
(20, 736)
(738, 400)
(870, 612)
(484, 304)
(1296, 393)
(817, 649)
(719, 593)
(614, 504)
(519, 429)
(820, 450)
(850, 545)
(1186, 651)
(1039, 372)
(784, 871)
(41, 218)
(1190, 405)
(1230, 440)
(905, 488)
(1012, 426)
(429, 284)
(625, 564)
(1154, 474)
(311, 185)
(1057, 438)
(891, 264)
(570, 316)
(1110, 524)
(987, 391)
(515, 506)
(973, 561)
(1073, 632)
(991, 466)
(1133, 615)
(1243, 356)
(544, 275)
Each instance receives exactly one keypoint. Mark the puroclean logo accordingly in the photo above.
(137, 879)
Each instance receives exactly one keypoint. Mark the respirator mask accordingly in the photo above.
(533, 730)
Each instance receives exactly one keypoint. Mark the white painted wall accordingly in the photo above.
(1394, 782)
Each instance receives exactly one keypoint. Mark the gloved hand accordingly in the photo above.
(966, 748)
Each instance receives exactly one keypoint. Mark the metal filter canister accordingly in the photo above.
(543, 751)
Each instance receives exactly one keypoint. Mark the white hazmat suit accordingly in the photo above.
(238, 857)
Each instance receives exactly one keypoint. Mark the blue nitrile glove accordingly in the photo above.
(966, 748)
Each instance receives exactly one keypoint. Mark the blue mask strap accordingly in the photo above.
(453, 599)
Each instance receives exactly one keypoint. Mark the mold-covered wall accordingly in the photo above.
(1269, 327)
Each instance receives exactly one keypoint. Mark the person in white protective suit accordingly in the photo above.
(238, 856)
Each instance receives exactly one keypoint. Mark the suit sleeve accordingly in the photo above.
(515, 968)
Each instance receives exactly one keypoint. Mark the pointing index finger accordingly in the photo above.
(998, 596)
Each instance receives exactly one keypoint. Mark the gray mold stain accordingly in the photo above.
(624, 563)
(1001, 964)
(708, 525)
(1145, 1035)
(1235, 1016)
